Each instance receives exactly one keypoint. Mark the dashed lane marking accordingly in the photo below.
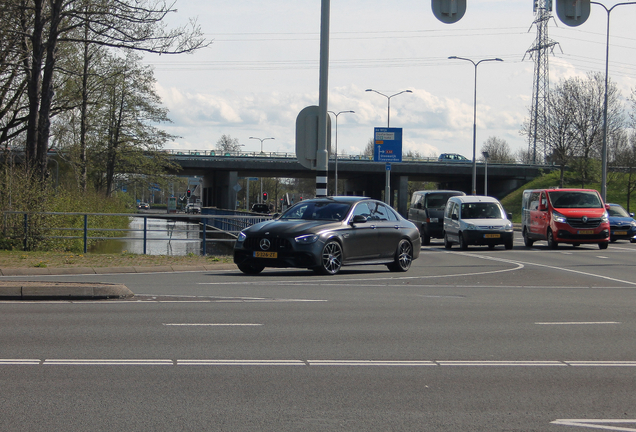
(604, 424)
(578, 323)
(213, 324)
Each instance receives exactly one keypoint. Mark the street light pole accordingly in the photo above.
(486, 156)
(336, 170)
(474, 192)
(388, 103)
(604, 148)
(260, 198)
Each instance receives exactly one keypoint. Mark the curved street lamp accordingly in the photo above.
(388, 103)
(260, 198)
(337, 114)
(475, 115)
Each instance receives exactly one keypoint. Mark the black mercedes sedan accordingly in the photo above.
(323, 234)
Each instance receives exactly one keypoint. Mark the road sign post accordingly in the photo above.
(387, 147)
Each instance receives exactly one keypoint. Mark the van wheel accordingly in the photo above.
(526, 240)
(551, 243)
(447, 244)
(462, 242)
(508, 245)
(426, 240)
(603, 245)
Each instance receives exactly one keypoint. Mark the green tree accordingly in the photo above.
(127, 140)
(43, 27)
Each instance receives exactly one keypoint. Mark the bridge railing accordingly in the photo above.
(284, 155)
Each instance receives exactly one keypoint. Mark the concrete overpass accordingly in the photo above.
(221, 172)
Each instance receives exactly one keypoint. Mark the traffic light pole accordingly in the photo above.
(322, 156)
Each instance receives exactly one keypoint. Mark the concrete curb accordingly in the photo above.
(25, 290)
(41, 290)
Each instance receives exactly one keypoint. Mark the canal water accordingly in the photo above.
(163, 237)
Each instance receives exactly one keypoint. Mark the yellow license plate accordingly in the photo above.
(492, 235)
(266, 254)
(586, 231)
(620, 232)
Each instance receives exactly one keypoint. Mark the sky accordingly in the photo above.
(262, 69)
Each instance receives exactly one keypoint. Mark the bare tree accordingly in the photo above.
(586, 97)
(498, 150)
(369, 150)
(228, 144)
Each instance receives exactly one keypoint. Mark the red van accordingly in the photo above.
(572, 216)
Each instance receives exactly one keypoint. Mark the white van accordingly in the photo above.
(476, 220)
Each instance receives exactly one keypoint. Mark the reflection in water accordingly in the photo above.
(163, 237)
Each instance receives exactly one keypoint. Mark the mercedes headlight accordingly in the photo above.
(306, 239)
(241, 237)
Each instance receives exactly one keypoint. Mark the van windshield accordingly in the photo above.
(482, 210)
(575, 199)
(438, 200)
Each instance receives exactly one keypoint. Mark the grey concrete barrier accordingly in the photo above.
(25, 290)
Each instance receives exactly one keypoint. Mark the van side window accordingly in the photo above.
(449, 209)
(455, 211)
(534, 201)
(417, 199)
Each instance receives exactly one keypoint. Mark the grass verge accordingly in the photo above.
(20, 259)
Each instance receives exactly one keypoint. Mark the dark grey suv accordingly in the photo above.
(427, 212)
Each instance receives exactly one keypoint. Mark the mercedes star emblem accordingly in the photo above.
(264, 244)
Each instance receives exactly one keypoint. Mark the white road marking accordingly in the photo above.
(604, 424)
(19, 361)
(109, 362)
(554, 268)
(241, 363)
(578, 323)
(211, 324)
(326, 362)
(603, 363)
(500, 363)
(370, 363)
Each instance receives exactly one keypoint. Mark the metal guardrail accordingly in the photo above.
(16, 225)
(283, 155)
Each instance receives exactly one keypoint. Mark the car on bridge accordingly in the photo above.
(143, 206)
(452, 157)
(324, 234)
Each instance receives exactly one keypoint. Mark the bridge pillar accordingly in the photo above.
(218, 189)
(403, 195)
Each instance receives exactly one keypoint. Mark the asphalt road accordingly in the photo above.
(520, 340)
